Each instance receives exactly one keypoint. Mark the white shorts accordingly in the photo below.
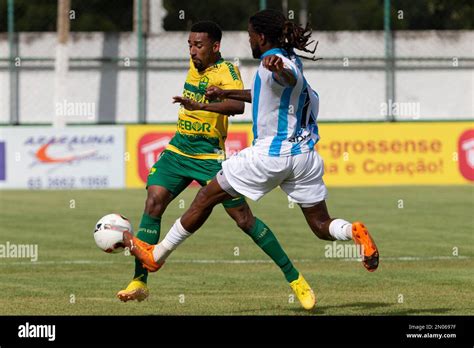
(253, 175)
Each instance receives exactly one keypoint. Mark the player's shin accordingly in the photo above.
(266, 240)
(172, 240)
(149, 232)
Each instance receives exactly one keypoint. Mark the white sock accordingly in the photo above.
(160, 253)
(340, 229)
(176, 235)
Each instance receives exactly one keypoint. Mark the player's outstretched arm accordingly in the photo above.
(227, 107)
(213, 93)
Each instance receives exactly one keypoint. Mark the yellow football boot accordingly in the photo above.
(136, 290)
(304, 292)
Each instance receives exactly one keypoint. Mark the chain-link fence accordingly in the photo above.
(51, 70)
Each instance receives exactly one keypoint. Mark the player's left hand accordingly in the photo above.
(188, 104)
(215, 93)
(273, 63)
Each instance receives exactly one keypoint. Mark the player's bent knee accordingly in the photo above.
(245, 222)
(154, 206)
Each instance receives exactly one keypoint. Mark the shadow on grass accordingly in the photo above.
(367, 306)
(424, 311)
(317, 310)
(353, 306)
(353, 309)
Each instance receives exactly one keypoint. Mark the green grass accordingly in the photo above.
(432, 222)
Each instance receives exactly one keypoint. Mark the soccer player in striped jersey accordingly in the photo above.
(284, 108)
(195, 153)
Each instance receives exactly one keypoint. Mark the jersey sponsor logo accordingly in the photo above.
(149, 148)
(194, 126)
(196, 93)
(2, 161)
(196, 96)
(299, 136)
(466, 154)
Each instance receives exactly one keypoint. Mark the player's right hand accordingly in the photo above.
(213, 93)
(273, 63)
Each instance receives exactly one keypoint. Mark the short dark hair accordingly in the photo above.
(211, 28)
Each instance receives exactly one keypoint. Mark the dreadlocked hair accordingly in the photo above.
(283, 33)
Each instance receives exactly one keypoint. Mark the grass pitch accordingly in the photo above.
(425, 236)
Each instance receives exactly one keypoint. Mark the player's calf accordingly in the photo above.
(318, 219)
(157, 200)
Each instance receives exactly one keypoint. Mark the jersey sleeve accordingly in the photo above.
(230, 76)
(290, 66)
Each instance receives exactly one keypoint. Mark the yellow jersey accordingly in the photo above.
(201, 134)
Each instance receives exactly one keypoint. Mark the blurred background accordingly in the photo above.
(122, 62)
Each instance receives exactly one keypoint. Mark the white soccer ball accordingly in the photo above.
(108, 232)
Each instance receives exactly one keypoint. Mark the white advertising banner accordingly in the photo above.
(68, 158)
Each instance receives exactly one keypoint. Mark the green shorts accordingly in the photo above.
(175, 172)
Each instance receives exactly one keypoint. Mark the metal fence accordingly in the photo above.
(129, 77)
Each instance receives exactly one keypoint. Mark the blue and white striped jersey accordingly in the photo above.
(284, 117)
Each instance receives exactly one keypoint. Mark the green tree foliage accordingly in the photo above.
(230, 15)
(117, 15)
(90, 15)
(329, 14)
(433, 14)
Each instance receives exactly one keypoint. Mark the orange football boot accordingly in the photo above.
(361, 236)
(142, 251)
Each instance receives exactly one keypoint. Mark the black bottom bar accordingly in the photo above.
(224, 331)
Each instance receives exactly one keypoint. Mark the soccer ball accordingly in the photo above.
(108, 232)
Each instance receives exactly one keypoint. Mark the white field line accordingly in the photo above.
(123, 261)
(415, 258)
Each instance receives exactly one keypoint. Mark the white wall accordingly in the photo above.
(346, 93)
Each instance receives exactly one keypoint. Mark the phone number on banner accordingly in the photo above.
(68, 182)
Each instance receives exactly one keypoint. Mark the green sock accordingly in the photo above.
(149, 232)
(266, 240)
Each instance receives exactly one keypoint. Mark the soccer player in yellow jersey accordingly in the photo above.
(196, 152)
